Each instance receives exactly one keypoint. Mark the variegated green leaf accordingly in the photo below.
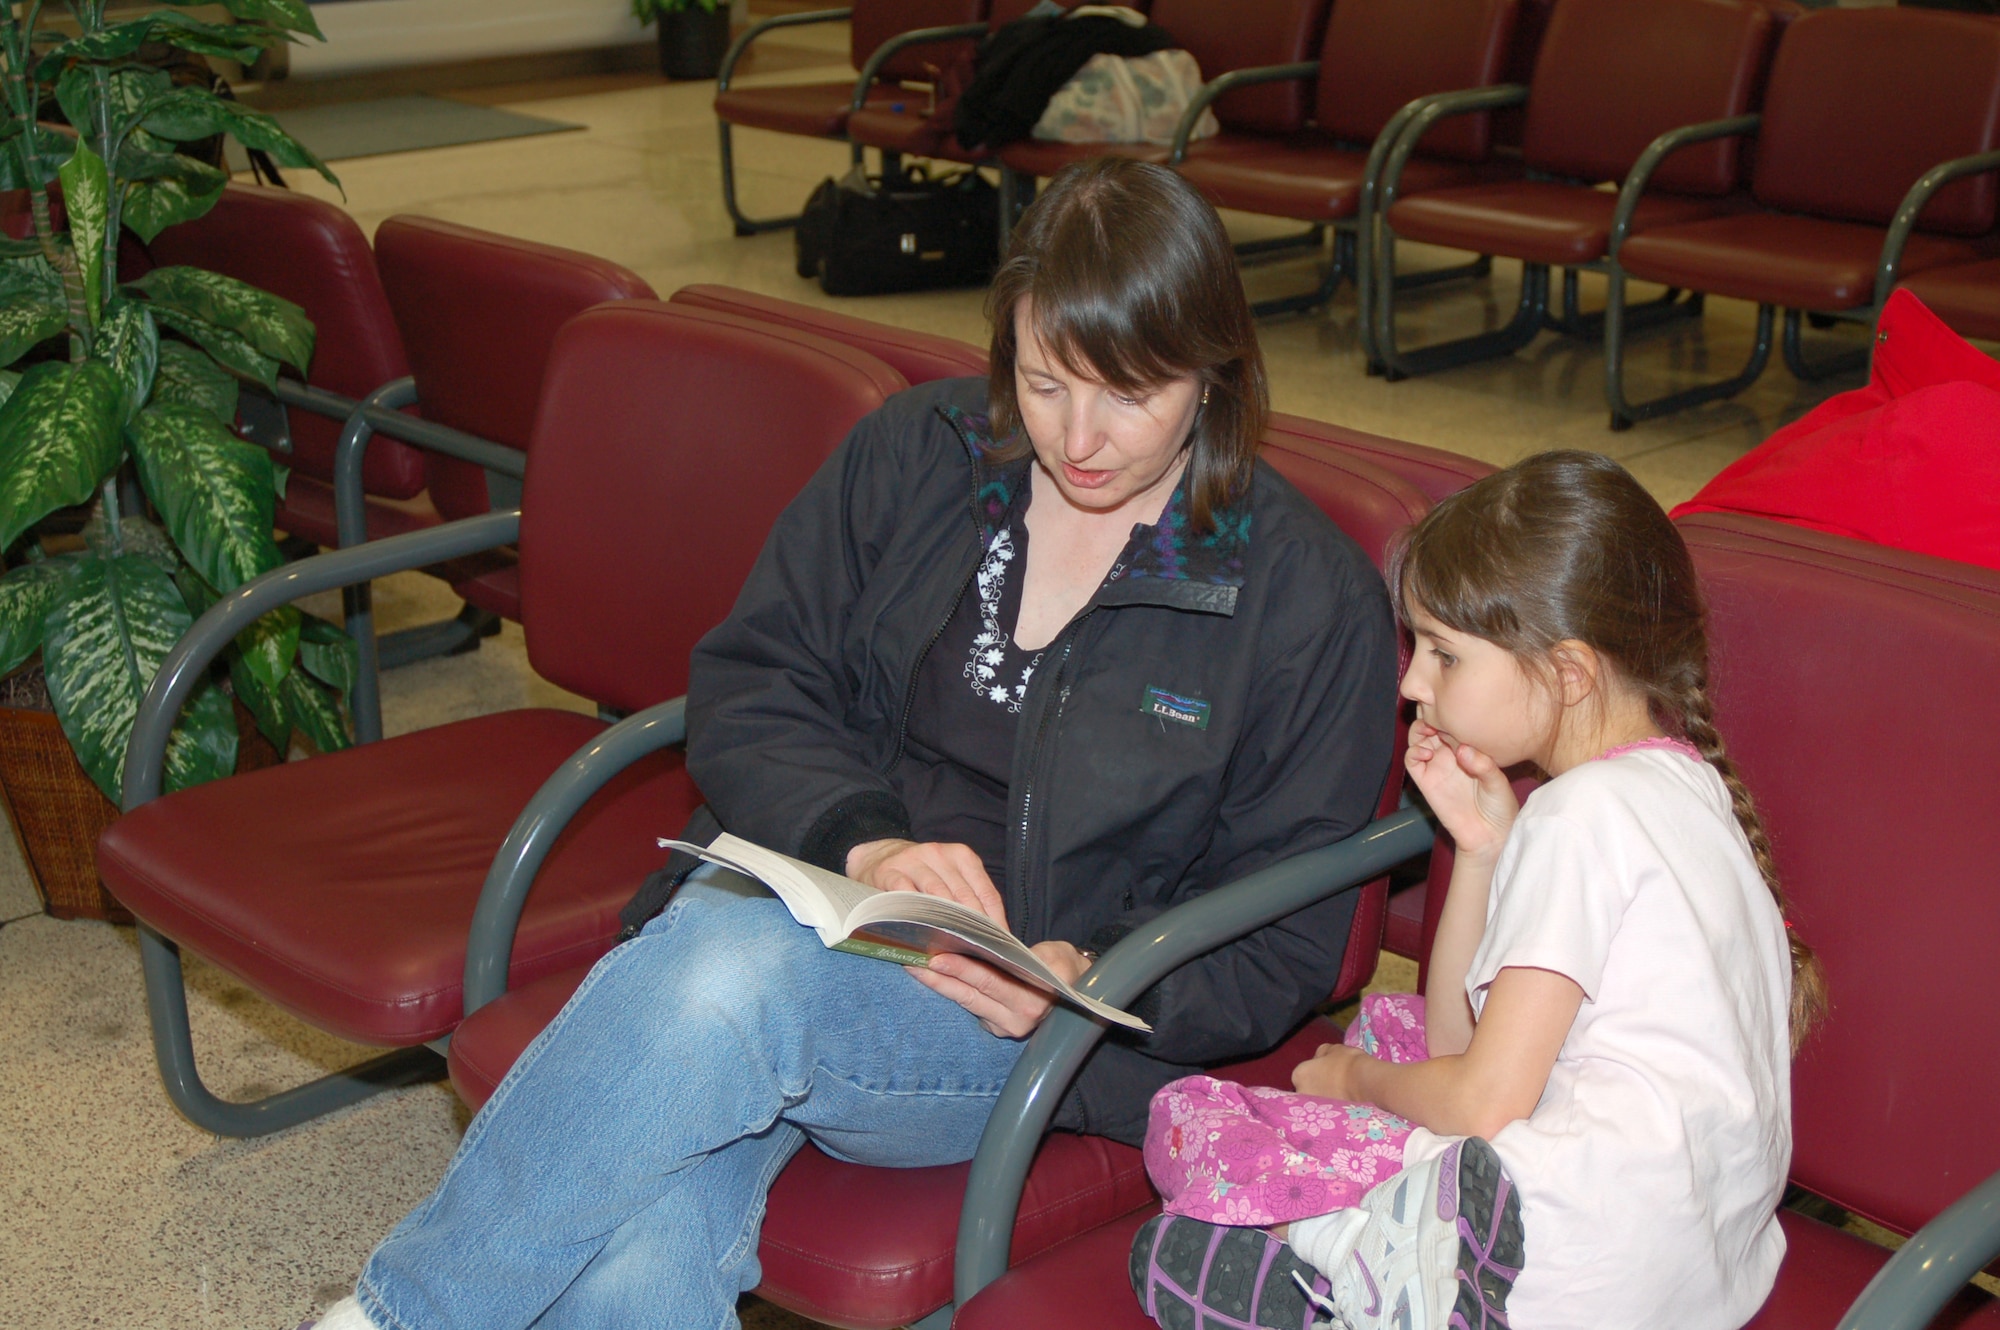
(129, 343)
(11, 248)
(229, 350)
(213, 490)
(329, 654)
(274, 327)
(33, 307)
(269, 645)
(30, 276)
(266, 704)
(180, 190)
(240, 43)
(187, 377)
(281, 474)
(288, 15)
(87, 200)
(198, 594)
(195, 113)
(111, 626)
(51, 149)
(58, 440)
(25, 596)
(123, 92)
(136, 535)
(9, 380)
(315, 712)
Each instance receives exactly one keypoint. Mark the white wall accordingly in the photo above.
(378, 34)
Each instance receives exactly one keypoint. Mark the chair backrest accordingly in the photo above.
(1613, 76)
(1435, 473)
(311, 253)
(917, 356)
(1862, 102)
(1006, 11)
(478, 313)
(1853, 686)
(1245, 34)
(667, 443)
(1381, 54)
(876, 21)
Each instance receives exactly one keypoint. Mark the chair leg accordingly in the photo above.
(746, 226)
(1338, 269)
(1279, 246)
(173, 1047)
(1847, 362)
(1379, 283)
(1671, 306)
(1625, 412)
(1520, 330)
(448, 637)
(1017, 191)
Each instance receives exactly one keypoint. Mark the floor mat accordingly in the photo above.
(400, 124)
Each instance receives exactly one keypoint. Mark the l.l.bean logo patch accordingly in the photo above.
(1175, 707)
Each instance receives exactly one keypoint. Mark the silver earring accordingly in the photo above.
(1204, 395)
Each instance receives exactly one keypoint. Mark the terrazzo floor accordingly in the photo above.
(113, 1210)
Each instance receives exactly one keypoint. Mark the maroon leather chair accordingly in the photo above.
(343, 888)
(822, 110)
(1964, 295)
(917, 356)
(1377, 57)
(1811, 638)
(891, 1263)
(1874, 156)
(1611, 78)
(479, 313)
(311, 253)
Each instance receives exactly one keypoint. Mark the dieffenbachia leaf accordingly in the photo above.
(272, 326)
(212, 489)
(265, 703)
(87, 200)
(329, 654)
(25, 596)
(195, 113)
(281, 476)
(81, 90)
(58, 440)
(240, 43)
(129, 342)
(269, 645)
(110, 627)
(33, 307)
(315, 712)
(188, 378)
(229, 350)
(9, 380)
(174, 190)
(51, 149)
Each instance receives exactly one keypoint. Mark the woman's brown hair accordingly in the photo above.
(1566, 546)
(1130, 279)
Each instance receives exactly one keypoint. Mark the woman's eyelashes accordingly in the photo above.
(1445, 659)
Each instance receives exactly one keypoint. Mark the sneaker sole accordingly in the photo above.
(1478, 1198)
(1190, 1275)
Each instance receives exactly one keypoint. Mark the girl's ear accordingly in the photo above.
(1577, 671)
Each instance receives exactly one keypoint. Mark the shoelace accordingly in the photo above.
(1319, 1301)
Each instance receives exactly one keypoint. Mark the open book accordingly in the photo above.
(899, 926)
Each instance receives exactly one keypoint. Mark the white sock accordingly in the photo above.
(345, 1315)
(1323, 1242)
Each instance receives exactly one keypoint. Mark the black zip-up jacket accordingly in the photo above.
(1222, 703)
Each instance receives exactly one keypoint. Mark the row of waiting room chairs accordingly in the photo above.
(456, 883)
(1806, 163)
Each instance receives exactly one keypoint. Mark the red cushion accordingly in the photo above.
(876, 21)
(308, 510)
(342, 887)
(498, 590)
(918, 356)
(1304, 176)
(905, 126)
(1539, 221)
(1380, 54)
(1082, 1283)
(816, 110)
(1778, 259)
(1966, 296)
(1404, 933)
(1435, 473)
(1228, 37)
(488, 1041)
(1038, 157)
(1825, 1270)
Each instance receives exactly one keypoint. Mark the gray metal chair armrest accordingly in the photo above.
(1058, 1049)
(1933, 1265)
(1421, 116)
(1657, 152)
(871, 68)
(1226, 83)
(187, 664)
(758, 29)
(490, 947)
(1913, 204)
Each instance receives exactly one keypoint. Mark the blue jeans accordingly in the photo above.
(617, 1177)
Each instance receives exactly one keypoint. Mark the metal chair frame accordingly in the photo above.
(745, 225)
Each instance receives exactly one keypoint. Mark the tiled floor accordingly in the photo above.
(114, 1211)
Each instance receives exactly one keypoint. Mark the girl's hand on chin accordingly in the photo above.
(1464, 787)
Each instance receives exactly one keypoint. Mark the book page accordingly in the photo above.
(818, 899)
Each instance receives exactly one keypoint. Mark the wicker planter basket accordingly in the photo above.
(57, 812)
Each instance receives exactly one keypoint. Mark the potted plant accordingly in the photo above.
(122, 396)
(694, 35)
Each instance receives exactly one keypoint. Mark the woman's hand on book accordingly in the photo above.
(930, 868)
(1004, 1005)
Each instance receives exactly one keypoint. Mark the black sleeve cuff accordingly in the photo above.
(869, 815)
(1147, 1005)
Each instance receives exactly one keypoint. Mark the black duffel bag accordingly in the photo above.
(863, 235)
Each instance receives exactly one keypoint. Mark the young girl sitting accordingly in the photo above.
(1587, 1119)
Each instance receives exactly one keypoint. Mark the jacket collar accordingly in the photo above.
(1163, 564)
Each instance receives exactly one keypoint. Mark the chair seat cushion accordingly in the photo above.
(1966, 296)
(1825, 1270)
(498, 590)
(905, 126)
(1303, 176)
(1537, 221)
(307, 510)
(1779, 259)
(342, 887)
(1404, 932)
(1080, 1284)
(1039, 157)
(816, 110)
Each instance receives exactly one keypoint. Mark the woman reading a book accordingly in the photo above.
(1052, 644)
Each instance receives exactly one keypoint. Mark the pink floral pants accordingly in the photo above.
(1253, 1156)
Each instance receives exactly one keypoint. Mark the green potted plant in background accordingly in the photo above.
(122, 396)
(694, 35)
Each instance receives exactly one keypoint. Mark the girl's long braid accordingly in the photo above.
(1696, 717)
